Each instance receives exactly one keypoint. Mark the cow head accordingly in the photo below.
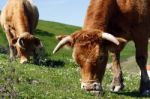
(28, 45)
(90, 52)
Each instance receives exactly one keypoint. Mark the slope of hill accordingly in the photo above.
(46, 31)
(58, 77)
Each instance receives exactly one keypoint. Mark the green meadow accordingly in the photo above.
(58, 76)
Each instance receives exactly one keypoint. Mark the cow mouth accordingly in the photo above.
(94, 88)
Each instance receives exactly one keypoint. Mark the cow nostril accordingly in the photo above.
(95, 85)
(85, 87)
(82, 87)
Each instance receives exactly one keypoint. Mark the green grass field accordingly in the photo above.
(58, 77)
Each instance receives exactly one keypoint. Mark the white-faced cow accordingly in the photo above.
(18, 19)
(108, 24)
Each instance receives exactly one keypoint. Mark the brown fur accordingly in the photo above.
(127, 19)
(87, 53)
(19, 18)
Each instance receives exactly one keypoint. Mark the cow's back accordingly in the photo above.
(132, 18)
(118, 16)
(133, 11)
(21, 15)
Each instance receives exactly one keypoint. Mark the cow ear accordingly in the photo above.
(37, 42)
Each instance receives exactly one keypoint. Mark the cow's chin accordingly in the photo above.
(23, 60)
(94, 88)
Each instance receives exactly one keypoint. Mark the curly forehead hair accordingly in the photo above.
(87, 36)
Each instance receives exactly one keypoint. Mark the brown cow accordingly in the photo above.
(126, 19)
(18, 19)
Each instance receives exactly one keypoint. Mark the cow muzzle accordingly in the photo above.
(94, 87)
(23, 60)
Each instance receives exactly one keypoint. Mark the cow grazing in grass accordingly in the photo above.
(108, 26)
(19, 18)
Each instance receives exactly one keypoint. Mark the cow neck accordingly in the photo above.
(98, 14)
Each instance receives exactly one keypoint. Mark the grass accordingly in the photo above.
(59, 78)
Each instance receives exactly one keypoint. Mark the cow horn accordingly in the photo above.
(61, 43)
(110, 37)
(20, 43)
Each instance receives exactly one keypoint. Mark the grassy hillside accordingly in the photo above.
(47, 31)
(58, 77)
